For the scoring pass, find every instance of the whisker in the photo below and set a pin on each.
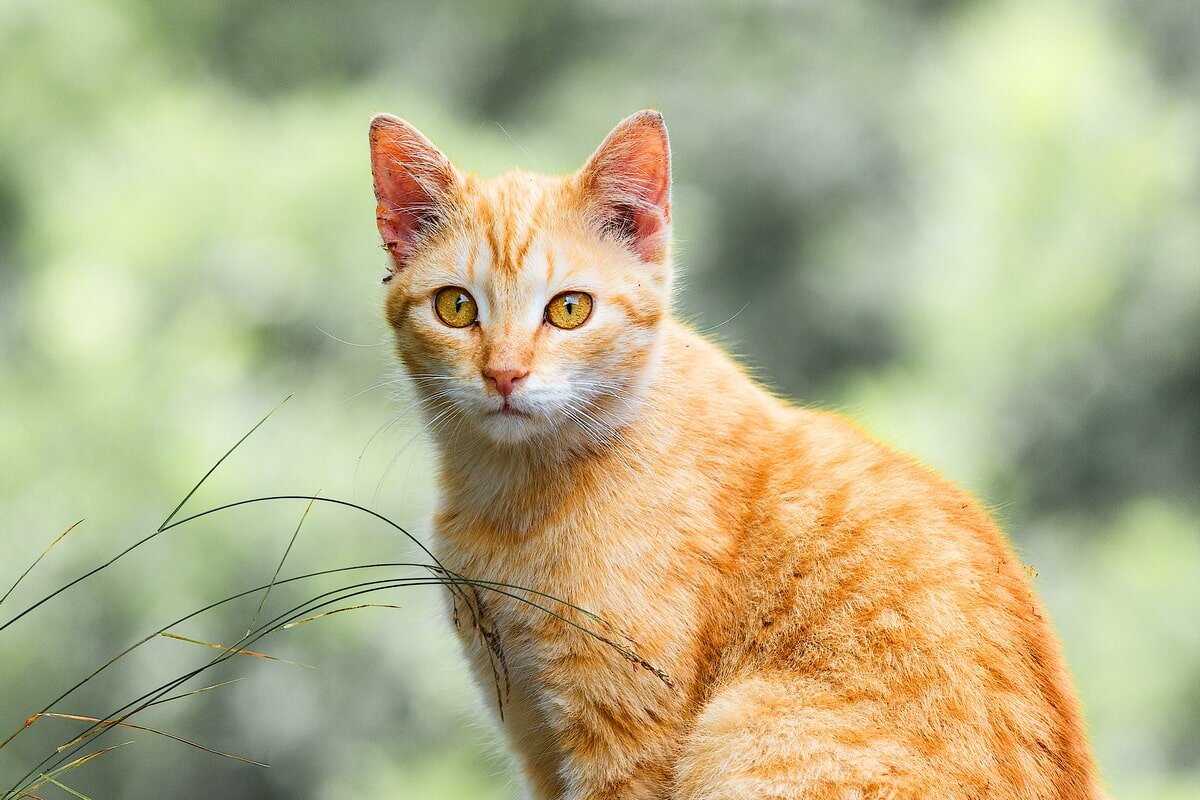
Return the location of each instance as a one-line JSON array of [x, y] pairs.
[[373, 387], [343, 341], [731, 319], [439, 416], [392, 420]]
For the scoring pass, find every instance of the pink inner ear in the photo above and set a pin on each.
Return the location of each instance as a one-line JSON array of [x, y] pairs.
[[398, 227], [630, 177], [412, 181]]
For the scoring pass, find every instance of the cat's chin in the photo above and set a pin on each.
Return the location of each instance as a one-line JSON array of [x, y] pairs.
[[511, 426]]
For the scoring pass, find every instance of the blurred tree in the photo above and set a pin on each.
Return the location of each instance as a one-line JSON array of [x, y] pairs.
[[973, 225]]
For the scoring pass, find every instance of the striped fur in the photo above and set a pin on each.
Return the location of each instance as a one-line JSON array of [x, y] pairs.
[[833, 619]]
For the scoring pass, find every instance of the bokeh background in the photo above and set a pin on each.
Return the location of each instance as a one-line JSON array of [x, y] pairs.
[[974, 226]]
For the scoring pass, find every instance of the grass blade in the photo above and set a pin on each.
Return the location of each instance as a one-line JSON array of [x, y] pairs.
[[321, 601], [48, 777], [156, 694], [324, 614], [201, 690], [110, 662], [220, 460], [343, 594], [308, 611], [102, 724], [165, 526], [279, 567], [67, 789], [45, 553], [235, 650]]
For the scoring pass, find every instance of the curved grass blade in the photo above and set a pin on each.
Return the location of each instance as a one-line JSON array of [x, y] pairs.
[[147, 699], [155, 695], [440, 576], [45, 553], [161, 528], [270, 498], [198, 612], [220, 460], [493, 586], [440, 568], [309, 606]]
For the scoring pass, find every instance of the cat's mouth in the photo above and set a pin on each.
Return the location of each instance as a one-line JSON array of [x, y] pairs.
[[506, 410]]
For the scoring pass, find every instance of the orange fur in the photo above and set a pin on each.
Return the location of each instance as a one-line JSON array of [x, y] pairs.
[[836, 620]]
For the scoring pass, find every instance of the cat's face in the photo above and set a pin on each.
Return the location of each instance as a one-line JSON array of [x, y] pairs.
[[527, 306]]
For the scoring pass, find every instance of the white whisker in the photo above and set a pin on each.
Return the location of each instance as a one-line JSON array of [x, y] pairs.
[[343, 341]]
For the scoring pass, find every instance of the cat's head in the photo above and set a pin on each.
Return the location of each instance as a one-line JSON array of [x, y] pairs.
[[527, 306]]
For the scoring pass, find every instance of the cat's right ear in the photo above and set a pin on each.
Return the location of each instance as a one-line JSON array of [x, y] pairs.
[[414, 182]]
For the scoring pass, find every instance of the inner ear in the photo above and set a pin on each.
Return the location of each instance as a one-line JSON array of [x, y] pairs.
[[628, 184], [414, 185], [621, 222]]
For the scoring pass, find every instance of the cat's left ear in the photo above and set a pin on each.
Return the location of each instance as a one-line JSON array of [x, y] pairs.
[[414, 185], [628, 182]]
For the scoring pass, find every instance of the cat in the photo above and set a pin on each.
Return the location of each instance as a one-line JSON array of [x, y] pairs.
[[823, 617]]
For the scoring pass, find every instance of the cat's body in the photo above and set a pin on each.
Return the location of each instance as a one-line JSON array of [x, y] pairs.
[[833, 619]]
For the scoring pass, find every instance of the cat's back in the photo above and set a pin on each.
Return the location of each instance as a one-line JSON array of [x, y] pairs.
[[836, 525], [875, 590]]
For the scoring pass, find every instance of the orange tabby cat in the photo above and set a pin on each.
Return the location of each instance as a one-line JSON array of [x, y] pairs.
[[834, 619]]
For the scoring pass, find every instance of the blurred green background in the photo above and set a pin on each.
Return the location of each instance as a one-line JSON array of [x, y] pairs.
[[974, 226]]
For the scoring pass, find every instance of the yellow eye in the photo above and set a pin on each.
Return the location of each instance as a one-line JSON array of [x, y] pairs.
[[569, 310], [455, 307]]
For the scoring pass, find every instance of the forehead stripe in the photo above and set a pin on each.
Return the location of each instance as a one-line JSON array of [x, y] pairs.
[[472, 257]]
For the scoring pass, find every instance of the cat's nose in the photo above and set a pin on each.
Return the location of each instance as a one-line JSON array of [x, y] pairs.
[[504, 379]]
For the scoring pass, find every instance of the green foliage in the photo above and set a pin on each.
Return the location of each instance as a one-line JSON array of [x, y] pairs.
[[974, 226]]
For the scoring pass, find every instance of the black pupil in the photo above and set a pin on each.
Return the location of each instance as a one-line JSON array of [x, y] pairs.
[[569, 304], [459, 302]]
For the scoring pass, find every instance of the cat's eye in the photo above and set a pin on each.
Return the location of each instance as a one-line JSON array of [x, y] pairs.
[[455, 306], [569, 310]]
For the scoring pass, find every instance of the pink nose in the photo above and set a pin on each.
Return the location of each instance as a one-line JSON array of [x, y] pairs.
[[504, 379]]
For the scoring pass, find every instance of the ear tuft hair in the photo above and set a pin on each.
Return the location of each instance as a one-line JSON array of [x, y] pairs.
[[628, 182]]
